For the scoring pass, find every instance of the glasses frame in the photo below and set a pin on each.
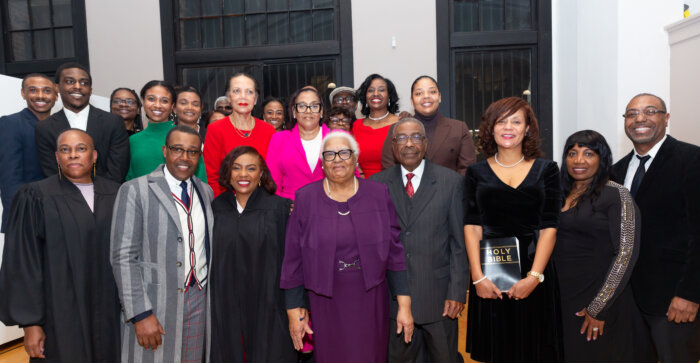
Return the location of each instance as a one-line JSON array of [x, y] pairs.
[[648, 111], [326, 154], [302, 107], [120, 101], [178, 151], [403, 139]]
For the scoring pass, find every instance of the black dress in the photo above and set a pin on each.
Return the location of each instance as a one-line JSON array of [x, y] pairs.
[[527, 330], [249, 319], [597, 247]]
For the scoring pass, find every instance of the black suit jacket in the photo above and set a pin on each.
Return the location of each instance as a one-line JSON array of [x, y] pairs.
[[432, 233], [108, 133], [669, 201]]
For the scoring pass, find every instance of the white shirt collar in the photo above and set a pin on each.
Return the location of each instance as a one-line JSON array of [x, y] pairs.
[[634, 162], [417, 175], [652, 152], [78, 120], [173, 183]]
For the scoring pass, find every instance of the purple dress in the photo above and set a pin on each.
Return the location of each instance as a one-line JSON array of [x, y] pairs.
[[349, 305]]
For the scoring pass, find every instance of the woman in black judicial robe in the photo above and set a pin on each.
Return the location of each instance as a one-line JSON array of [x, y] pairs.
[[56, 279], [249, 319]]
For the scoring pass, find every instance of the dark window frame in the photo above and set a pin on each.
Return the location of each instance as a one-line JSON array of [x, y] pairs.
[[173, 59], [47, 66], [448, 42]]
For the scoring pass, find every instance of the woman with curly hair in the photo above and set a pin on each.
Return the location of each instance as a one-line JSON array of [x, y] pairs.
[[380, 102], [513, 194]]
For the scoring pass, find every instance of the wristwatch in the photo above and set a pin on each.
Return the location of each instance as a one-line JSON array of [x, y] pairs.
[[537, 275]]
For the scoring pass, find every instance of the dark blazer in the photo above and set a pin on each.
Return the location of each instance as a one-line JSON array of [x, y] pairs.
[[432, 232], [669, 201], [451, 146], [108, 133], [309, 251], [19, 163]]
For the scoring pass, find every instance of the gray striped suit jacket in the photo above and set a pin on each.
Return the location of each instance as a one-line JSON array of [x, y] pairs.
[[432, 233], [146, 246]]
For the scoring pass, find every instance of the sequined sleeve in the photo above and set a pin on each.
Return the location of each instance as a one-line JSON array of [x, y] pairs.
[[624, 221]]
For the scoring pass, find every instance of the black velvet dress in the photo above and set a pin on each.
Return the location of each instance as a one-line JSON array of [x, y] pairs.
[[506, 330], [597, 247], [249, 318]]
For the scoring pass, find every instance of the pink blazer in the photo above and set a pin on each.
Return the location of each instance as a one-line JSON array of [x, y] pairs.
[[286, 159]]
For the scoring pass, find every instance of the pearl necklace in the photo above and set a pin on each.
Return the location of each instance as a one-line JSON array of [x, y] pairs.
[[495, 157], [330, 195], [379, 118]]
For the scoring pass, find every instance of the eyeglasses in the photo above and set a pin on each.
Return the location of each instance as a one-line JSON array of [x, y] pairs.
[[343, 99], [403, 139], [227, 108], [178, 151], [339, 121], [314, 107], [344, 154], [127, 101], [649, 111]]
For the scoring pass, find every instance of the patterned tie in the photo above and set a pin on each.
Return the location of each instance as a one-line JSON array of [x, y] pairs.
[[639, 174], [184, 196], [409, 185]]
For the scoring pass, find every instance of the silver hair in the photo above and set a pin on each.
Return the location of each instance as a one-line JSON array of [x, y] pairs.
[[406, 120], [342, 135], [222, 98]]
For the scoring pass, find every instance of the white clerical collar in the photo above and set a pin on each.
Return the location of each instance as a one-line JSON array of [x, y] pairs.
[[654, 150]]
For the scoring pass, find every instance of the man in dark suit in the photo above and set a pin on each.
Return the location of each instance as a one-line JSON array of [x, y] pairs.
[[107, 130], [428, 201], [19, 163], [663, 175]]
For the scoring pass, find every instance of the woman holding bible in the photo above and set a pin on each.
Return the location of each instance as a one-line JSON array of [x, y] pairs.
[[513, 193], [598, 245]]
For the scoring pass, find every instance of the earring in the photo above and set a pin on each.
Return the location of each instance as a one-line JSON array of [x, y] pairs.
[[59, 171], [259, 183], [94, 172]]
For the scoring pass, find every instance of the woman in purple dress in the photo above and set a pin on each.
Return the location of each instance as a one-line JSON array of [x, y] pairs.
[[342, 247]]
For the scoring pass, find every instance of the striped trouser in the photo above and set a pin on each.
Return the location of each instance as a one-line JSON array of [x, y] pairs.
[[194, 325]]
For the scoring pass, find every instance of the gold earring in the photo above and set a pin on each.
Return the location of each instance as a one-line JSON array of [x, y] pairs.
[[59, 171], [94, 172]]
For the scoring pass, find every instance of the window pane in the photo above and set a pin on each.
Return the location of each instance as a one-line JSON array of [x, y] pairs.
[[233, 7], [466, 15], [234, 31], [277, 28], [64, 43], [322, 4], [18, 14], [323, 25], [299, 4], [211, 7], [492, 15], [62, 13], [518, 15], [43, 44], [252, 6], [482, 77], [255, 29], [282, 79], [190, 34], [300, 27], [211, 81], [211, 33], [41, 13], [276, 5], [22, 46], [189, 8]]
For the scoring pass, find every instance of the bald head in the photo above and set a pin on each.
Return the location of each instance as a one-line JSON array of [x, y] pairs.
[[79, 134]]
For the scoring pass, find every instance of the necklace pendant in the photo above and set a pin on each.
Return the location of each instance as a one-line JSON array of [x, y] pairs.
[[343, 213]]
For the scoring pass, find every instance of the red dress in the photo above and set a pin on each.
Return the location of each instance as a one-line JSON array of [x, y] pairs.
[[222, 137], [370, 141]]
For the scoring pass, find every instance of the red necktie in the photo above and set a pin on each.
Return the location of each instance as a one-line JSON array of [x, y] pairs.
[[409, 185]]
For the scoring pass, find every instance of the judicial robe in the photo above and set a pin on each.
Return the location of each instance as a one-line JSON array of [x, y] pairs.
[[56, 272], [247, 302]]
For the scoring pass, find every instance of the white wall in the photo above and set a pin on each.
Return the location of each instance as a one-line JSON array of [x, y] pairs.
[[413, 23], [684, 39], [124, 42], [604, 53]]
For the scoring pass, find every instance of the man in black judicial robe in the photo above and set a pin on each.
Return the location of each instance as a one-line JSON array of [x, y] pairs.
[[55, 272]]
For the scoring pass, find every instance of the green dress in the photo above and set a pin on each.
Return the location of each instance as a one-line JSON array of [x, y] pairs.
[[147, 151]]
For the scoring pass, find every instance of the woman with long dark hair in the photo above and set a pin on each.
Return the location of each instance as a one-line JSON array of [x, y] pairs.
[[597, 247]]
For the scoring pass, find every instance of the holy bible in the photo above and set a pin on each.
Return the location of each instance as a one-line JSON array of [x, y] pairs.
[[500, 261]]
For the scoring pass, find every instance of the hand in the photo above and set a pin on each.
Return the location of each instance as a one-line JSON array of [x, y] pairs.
[[593, 326], [298, 326], [148, 332], [452, 308], [291, 208], [488, 290], [681, 310], [34, 338], [404, 322], [523, 288]]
